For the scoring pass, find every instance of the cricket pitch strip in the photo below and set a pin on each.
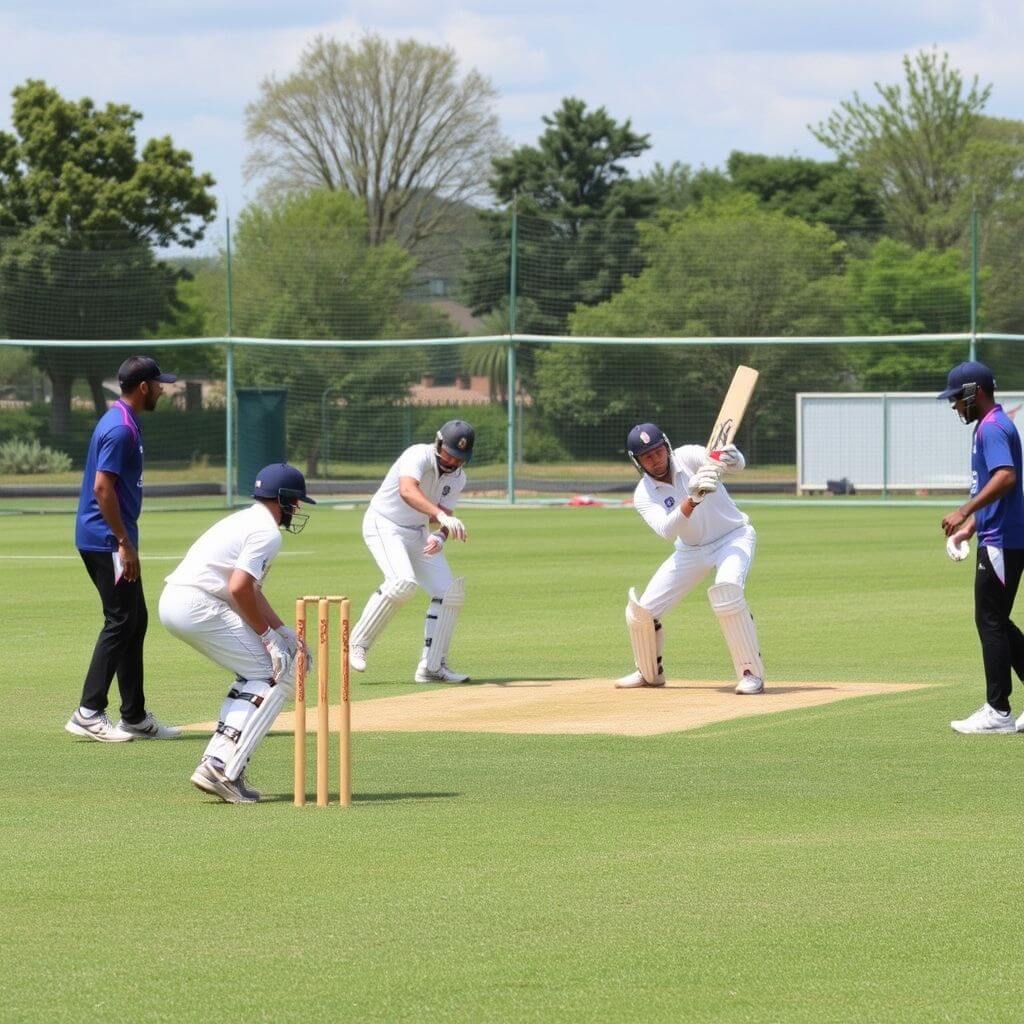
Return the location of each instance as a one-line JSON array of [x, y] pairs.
[[582, 706]]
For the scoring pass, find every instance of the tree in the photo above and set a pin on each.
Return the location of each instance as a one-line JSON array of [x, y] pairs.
[[914, 147], [722, 269], [304, 269], [819, 192], [80, 212], [392, 124], [577, 210]]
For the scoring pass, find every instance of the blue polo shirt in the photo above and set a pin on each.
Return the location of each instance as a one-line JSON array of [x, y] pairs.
[[996, 445], [116, 447]]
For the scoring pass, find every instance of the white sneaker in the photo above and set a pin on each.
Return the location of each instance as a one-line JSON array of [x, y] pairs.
[[443, 675], [357, 658], [149, 729], [986, 719], [636, 679], [1020, 724], [210, 778], [750, 684], [96, 727]]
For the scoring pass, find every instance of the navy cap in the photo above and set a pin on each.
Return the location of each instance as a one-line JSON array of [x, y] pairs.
[[643, 438], [279, 479], [136, 369], [968, 373]]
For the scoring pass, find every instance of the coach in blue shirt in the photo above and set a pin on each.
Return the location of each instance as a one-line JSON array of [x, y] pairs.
[[107, 537], [995, 512]]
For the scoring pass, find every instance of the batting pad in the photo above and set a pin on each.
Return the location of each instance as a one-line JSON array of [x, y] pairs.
[[447, 616], [642, 637], [738, 628], [379, 610]]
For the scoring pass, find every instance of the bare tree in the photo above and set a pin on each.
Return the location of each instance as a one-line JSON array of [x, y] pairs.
[[392, 123]]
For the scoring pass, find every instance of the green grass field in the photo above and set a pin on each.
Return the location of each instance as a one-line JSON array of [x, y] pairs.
[[853, 862]]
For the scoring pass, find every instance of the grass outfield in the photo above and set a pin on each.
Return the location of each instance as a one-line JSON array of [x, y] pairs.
[[849, 862]]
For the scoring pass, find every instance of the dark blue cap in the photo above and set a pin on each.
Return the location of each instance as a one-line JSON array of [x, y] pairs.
[[457, 438], [968, 373], [281, 480], [136, 369], [643, 438]]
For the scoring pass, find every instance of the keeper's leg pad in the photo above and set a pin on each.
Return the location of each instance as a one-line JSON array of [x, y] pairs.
[[643, 638], [447, 615], [730, 606], [251, 708], [382, 605]]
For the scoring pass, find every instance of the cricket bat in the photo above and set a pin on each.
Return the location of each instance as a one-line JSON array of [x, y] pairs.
[[730, 416], [734, 405]]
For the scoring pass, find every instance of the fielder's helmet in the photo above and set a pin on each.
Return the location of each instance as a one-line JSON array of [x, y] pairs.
[[644, 438], [456, 437]]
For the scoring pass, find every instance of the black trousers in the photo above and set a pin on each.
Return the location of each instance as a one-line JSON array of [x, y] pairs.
[[119, 646], [1002, 643]]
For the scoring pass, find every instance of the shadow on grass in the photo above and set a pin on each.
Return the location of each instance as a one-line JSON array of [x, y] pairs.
[[360, 798]]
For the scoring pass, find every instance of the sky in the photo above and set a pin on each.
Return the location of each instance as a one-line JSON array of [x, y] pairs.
[[701, 77]]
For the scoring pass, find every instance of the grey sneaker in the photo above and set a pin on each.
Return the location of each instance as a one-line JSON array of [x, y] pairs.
[[243, 787], [210, 778], [149, 729], [96, 727]]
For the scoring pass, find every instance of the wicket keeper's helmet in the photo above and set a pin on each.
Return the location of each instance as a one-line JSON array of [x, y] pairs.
[[287, 484], [456, 437], [644, 438]]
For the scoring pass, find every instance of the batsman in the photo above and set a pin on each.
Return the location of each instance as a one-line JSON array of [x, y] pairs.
[[681, 498]]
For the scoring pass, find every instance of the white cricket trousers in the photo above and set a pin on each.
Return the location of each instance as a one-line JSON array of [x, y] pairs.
[[398, 552], [215, 629], [730, 556]]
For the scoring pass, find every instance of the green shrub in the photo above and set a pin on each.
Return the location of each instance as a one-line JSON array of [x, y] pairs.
[[24, 457]]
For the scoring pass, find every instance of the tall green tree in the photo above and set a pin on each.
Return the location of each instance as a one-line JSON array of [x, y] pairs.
[[81, 210], [304, 269], [722, 269], [577, 210], [914, 146]]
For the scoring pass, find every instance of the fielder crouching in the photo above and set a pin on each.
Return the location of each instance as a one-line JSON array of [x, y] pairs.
[[681, 499], [421, 487], [214, 602]]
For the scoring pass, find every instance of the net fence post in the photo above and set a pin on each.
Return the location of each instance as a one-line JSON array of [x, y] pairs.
[[511, 387], [974, 284], [229, 380]]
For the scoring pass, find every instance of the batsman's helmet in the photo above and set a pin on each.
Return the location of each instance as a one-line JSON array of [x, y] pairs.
[[456, 437], [287, 484], [644, 438]]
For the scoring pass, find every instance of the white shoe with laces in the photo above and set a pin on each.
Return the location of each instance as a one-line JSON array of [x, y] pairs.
[[96, 727], [636, 679], [986, 720], [750, 684], [149, 729], [443, 675]]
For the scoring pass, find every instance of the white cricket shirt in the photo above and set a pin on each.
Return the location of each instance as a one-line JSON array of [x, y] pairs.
[[246, 540], [711, 520], [420, 462]]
